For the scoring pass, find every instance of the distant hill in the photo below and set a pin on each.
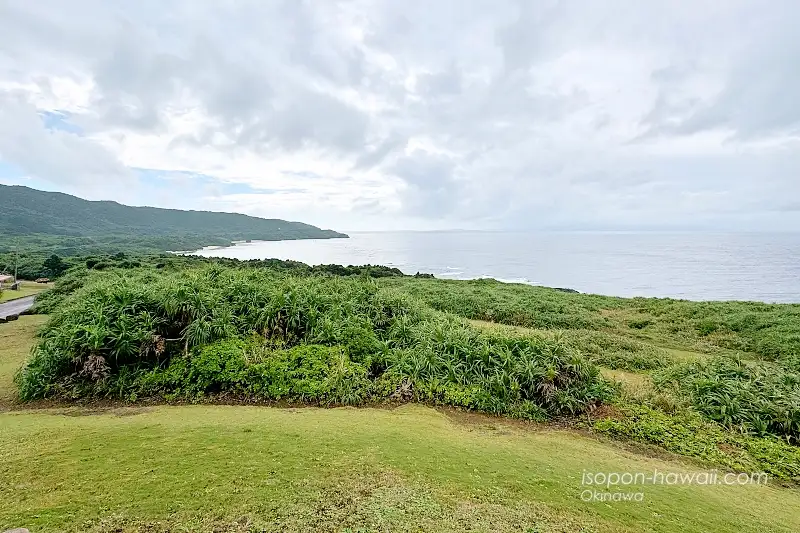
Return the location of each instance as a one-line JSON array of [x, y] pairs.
[[45, 215]]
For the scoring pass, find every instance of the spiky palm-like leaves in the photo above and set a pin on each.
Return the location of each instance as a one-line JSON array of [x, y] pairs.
[[755, 397], [121, 327]]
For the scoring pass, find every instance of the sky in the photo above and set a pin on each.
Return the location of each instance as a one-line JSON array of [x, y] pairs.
[[387, 115]]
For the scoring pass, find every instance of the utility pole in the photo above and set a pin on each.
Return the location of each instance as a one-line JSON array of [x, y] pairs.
[[16, 257]]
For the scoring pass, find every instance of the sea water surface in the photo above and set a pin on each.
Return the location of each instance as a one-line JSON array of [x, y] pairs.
[[696, 266]]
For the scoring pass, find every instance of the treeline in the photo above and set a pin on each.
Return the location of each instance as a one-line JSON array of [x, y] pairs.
[[70, 245], [35, 265]]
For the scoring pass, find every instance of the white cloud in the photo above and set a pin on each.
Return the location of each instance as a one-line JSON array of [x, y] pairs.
[[67, 158], [374, 114]]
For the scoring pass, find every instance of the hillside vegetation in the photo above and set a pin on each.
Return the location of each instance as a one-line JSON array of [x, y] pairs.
[[68, 225], [238, 469], [718, 382], [743, 369], [770, 332], [243, 469], [258, 335], [698, 385]]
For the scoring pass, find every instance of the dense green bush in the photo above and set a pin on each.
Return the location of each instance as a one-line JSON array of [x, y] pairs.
[[687, 433], [754, 397], [191, 332], [256, 370]]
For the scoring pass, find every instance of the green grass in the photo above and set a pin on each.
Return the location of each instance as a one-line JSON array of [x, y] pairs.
[[768, 331], [240, 468], [16, 340], [631, 380], [610, 346], [196, 468], [261, 335], [220, 332], [681, 356], [605, 348], [27, 288]]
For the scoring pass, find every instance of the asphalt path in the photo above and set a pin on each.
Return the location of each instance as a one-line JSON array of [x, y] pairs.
[[15, 307]]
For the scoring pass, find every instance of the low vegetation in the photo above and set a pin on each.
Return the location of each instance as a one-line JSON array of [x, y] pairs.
[[767, 331], [237, 469], [260, 335], [751, 397], [714, 384], [689, 434], [187, 328]]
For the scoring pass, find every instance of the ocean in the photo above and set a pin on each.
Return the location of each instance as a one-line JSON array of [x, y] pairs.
[[695, 266]]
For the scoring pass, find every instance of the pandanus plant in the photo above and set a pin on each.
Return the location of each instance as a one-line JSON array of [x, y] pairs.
[[132, 321]]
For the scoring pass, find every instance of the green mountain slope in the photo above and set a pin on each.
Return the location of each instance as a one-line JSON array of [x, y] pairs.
[[38, 214]]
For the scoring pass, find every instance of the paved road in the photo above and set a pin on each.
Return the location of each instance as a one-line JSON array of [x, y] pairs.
[[15, 307]]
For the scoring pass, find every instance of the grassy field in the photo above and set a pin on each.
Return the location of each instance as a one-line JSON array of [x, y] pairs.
[[586, 383], [236, 468], [750, 329], [240, 468], [27, 288], [16, 340], [651, 414]]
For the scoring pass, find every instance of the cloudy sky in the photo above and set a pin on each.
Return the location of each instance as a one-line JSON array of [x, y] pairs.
[[410, 115]]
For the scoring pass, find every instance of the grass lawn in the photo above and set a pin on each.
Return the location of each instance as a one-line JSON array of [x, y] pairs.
[[247, 468], [16, 340], [196, 468], [27, 288]]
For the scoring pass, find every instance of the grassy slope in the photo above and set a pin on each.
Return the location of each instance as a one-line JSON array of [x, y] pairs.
[[16, 340], [27, 288], [195, 468], [648, 347], [675, 328]]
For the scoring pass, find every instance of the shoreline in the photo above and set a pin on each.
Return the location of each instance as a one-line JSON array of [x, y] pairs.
[[447, 274]]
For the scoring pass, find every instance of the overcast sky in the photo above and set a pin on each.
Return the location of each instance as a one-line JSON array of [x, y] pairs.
[[415, 114]]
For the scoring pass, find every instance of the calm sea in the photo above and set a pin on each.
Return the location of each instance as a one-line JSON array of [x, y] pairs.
[[754, 266]]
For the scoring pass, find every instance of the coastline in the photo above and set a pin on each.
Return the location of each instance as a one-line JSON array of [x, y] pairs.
[[696, 267]]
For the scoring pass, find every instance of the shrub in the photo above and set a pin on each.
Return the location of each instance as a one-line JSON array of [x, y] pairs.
[[759, 398], [253, 369], [706, 327], [262, 335], [639, 323], [687, 433]]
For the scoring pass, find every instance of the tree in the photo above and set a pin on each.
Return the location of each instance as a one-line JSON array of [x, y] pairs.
[[54, 266]]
